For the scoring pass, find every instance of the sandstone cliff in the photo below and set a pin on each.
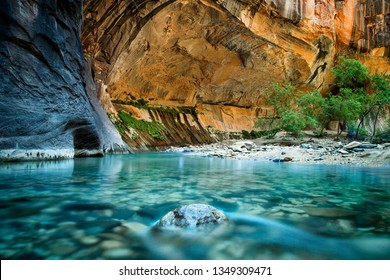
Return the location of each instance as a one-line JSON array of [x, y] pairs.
[[44, 106], [178, 70], [219, 57]]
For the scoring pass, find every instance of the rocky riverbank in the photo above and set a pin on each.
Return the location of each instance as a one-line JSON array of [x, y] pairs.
[[307, 150]]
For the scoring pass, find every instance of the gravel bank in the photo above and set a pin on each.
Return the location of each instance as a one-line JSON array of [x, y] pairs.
[[308, 150]]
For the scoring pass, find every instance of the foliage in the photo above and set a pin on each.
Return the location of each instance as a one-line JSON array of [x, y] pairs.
[[381, 99], [292, 122], [283, 99], [316, 111], [350, 73], [154, 129], [346, 107], [293, 111], [357, 95]]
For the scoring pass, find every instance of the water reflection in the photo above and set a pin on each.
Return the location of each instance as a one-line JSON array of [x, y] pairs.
[[95, 208]]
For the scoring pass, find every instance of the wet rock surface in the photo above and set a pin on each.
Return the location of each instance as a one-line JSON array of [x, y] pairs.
[[193, 216]]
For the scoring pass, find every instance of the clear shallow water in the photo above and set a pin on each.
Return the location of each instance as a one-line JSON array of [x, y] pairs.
[[104, 208]]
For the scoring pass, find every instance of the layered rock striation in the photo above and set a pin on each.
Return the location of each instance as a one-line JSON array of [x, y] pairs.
[[48, 106], [221, 56], [149, 59]]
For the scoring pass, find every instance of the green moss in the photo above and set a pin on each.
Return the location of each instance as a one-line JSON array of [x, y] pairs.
[[154, 128]]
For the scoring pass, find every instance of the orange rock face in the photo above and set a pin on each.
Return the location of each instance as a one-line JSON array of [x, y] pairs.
[[221, 56]]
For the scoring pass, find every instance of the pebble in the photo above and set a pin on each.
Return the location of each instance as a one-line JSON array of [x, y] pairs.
[[63, 248], [352, 145], [89, 240], [67, 224], [305, 146], [118, 253], [335, 200], [343, 152], [134, 226], [330, 212], [111, 244], [368, 146], [294, 210]]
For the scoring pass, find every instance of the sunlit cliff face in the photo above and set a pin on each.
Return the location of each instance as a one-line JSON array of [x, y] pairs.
[[220, 57], [217, 57]]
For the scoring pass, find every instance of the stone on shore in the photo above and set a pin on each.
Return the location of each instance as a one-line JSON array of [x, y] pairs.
[[352, 145]]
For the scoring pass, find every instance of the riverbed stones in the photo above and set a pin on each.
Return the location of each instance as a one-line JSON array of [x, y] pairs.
[[343, 152], [352, 145], [293, 210], [329, 212], [368, 146], [193, 216]]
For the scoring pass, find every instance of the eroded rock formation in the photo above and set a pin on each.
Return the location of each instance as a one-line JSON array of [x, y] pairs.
[[221, 56], [44, 106], [214, 58]]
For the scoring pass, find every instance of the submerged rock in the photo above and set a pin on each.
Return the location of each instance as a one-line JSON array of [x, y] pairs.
[[192, 216], [329, 212]]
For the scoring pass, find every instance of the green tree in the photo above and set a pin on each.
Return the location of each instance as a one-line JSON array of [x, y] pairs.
[[316, 111], [351, 102], [357, 95], [381, 98], [294, 111], [350, 73], [283, 99]]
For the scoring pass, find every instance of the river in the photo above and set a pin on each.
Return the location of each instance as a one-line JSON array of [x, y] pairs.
[[105, 208]]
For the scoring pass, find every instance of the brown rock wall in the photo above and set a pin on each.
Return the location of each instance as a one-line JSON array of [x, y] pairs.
[[222, 55]]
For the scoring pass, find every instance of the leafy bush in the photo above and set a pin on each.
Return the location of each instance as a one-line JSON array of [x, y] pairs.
[[293, 122], [292, 110]]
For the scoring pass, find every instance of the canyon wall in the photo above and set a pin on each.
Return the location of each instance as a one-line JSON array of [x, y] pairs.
[[221, 56], [46, 111], [166, 72]]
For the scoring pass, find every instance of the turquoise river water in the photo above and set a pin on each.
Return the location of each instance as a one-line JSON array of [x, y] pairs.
[[105, 208]]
